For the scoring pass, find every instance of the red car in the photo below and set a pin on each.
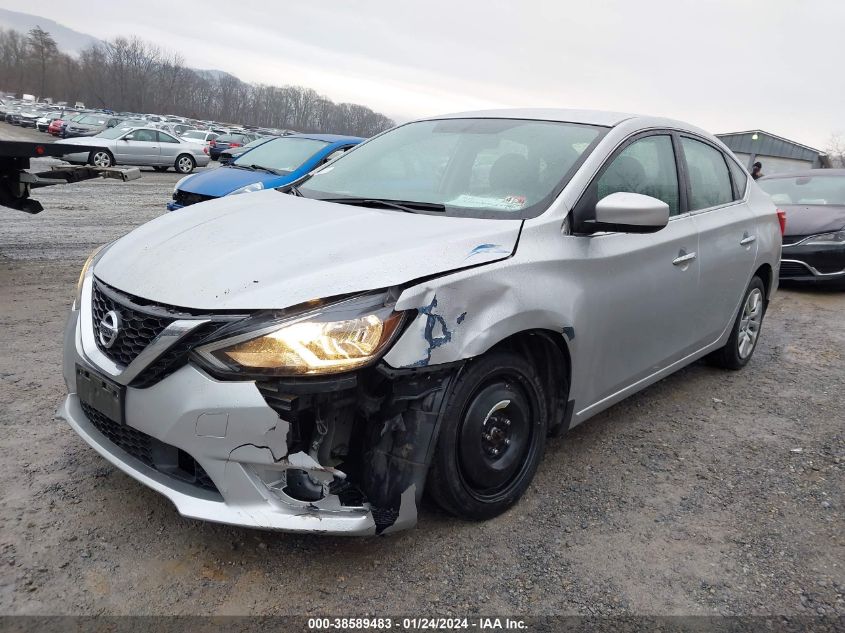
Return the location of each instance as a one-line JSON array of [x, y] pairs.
[[55, 127]]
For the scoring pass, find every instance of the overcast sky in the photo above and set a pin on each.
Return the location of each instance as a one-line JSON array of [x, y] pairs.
[[725, 65]]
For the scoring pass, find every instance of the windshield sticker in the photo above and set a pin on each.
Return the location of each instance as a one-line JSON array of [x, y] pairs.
[[505, 203]]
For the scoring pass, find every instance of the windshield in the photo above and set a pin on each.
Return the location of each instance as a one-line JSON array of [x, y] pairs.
[[281, 154], [497, 168], [93, 120], [823, 190]]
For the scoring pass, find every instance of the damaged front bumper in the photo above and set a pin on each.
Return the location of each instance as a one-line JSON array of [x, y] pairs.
[[333, 457]]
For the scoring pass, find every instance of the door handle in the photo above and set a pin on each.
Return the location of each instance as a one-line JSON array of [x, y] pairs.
[[686, 258], [747, 239]]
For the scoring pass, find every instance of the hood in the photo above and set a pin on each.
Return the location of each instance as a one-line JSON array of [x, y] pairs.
[[224, 180], [270, 250], [809, 219]]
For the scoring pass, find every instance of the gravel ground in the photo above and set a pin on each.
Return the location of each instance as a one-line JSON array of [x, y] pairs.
[[711, 492]]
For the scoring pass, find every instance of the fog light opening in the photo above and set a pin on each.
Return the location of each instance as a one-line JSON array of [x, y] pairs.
[[301, 486]]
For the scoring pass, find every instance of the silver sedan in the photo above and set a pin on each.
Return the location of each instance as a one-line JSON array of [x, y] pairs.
[[140, 146]]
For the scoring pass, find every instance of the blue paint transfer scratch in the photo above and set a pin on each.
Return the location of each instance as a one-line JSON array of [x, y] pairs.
[[433, 321], [461, 318], [488, 248]]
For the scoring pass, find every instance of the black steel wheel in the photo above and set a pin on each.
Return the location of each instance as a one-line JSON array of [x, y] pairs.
[[492, 437]]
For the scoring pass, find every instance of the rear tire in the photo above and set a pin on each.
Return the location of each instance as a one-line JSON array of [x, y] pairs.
[[746, 329], [492, 437], [101, 158], [185, 164]]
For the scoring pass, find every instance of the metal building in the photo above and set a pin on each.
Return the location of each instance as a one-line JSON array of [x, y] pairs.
[[776, 153]]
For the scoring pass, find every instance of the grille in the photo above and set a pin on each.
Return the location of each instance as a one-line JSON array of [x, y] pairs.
[[791, 269], [137, 444], [173, 358], [186, 198], [154, 453], [137, 329], [141, 322]]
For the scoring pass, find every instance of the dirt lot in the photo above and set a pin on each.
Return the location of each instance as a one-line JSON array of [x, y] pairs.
[[708, 493]]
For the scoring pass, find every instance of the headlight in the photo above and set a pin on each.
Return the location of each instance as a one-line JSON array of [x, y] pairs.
[[91, 259], [826, 239], [338, 338], [256, 186]]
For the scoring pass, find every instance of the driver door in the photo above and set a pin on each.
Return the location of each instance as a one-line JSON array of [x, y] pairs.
[[139, 147], [640, 290]]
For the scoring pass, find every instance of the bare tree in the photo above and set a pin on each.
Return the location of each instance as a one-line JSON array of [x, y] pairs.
[[130, 75], [836, 150], [43, 48]]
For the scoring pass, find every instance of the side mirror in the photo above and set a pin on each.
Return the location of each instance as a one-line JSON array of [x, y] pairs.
[[630, 213]]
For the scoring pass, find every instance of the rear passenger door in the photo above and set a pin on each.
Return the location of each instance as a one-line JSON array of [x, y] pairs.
[[726, 228]]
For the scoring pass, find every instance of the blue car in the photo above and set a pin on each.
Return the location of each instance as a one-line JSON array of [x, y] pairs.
[[272, 164]]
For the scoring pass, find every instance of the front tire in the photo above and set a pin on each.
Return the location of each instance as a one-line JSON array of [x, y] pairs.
[[492, 437], [746, 329], [185, 164], [101, 158]]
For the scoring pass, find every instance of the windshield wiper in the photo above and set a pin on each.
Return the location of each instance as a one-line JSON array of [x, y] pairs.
[[408, 206], [267, 169]]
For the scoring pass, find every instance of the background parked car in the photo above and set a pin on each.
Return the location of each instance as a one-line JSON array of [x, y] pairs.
[[200, 136], [28, 118], [272, 164], [814, 240], [225, 141], [90, 125], [141, 146]]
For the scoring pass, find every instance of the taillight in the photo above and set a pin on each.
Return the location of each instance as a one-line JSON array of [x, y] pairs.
[[782, 221], [234, 144], [205, 149]]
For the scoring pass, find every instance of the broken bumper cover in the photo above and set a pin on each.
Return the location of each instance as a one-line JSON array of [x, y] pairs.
[[233, 435], [241, 501]]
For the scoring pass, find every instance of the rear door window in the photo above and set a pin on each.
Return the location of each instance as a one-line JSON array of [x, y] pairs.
[[709, 181]]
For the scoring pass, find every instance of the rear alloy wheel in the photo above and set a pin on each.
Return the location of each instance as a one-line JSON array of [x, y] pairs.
[[101, 158], [185, 164], [492, 437], [746, 329]]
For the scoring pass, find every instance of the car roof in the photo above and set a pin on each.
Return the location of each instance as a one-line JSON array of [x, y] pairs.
[[328, 138], [805, 173], [587, 117]]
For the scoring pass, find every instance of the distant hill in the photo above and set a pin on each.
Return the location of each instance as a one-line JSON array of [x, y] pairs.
[[68, 40]]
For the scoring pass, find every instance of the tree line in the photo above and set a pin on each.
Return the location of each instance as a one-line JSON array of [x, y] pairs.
[[131, 75]]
